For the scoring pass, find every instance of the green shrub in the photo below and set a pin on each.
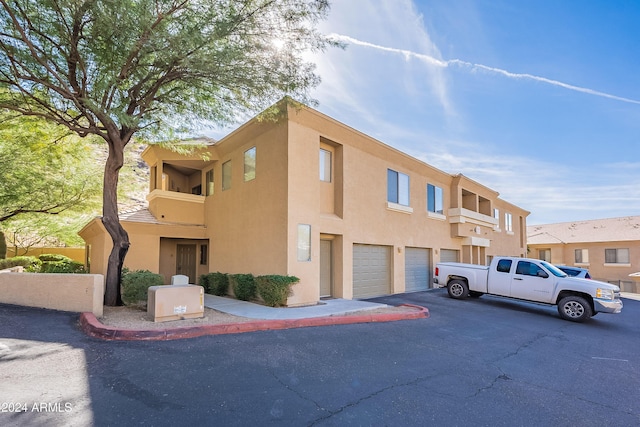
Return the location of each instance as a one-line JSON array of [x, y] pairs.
[[205, 282], [30, 263], [219, 284], [215, 283], [274, 290], [53, 263], [135, 285], [244, 286], [53, 257]]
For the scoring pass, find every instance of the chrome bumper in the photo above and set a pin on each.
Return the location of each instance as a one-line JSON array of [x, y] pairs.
[[605, 306]]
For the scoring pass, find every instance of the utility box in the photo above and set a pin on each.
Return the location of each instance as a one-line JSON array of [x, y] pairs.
[[175, 302]]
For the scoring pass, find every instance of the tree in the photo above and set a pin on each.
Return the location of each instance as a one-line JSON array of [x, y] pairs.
[[43, 169], [151, 67]]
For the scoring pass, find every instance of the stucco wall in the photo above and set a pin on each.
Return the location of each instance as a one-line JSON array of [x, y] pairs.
[[67, 292], [76, 254], [598, 269]]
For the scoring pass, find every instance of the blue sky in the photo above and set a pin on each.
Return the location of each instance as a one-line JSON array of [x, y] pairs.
[[536, 99]]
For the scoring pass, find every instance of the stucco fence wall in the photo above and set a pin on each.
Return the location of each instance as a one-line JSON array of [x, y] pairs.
[[76, 254], [57, 291]]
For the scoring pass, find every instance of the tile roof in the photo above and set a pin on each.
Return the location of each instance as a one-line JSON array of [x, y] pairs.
[[599, 230], [145, 216]]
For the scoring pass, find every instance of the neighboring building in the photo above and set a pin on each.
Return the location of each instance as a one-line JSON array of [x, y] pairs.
[[310, 197], [609, 248]]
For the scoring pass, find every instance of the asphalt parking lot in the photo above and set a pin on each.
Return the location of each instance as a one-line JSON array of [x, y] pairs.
[[487, 362]]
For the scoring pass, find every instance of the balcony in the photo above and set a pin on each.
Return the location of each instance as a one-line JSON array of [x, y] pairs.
[[174, 207], [467, 223]]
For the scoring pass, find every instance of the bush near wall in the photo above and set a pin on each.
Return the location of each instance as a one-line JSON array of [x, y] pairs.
[[54, 263], [45, 263], [244, 286], [135, 286], [31, 264], [215, 283], [274, 289]]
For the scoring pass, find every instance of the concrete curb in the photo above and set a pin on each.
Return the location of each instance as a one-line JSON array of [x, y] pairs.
[[91, 326]]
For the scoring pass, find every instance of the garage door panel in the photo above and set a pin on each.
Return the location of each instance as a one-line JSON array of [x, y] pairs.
[[371, 270], [417, 269]]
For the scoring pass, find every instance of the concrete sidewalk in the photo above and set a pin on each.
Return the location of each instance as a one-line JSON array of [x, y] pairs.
[[328, 307], [325, 313]]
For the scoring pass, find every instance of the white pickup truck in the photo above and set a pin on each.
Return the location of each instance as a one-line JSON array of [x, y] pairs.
[[530, 280]]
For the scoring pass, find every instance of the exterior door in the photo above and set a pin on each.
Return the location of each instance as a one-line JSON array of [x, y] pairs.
[[186, 261], [371, 270], [449, 255], [416, 269], [326, 268]]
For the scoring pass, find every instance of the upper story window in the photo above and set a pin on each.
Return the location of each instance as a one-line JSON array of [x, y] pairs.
[[435, 200], [616, 256], [508, 222], [496, 215], [397, 187], [581, 256], [250, 164], [209, 183], [325, 165], [226, 175]]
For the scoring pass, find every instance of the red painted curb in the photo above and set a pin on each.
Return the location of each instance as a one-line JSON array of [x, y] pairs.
[[94, 328]]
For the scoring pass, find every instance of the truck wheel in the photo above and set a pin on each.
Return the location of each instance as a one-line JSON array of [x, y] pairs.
[[574, 308], [458, 289]]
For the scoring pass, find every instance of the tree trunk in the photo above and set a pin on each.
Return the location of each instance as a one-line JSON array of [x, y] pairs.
[[3, 246], [111, 222]]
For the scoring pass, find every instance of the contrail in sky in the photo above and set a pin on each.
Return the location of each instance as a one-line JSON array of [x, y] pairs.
[[446, 63]]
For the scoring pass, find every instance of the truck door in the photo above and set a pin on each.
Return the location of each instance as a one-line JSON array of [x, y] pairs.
[[499, 279], [531, 282]]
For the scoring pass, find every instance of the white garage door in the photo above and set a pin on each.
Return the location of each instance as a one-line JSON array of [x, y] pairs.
[[449, 255], [416, 269], [371, 271]]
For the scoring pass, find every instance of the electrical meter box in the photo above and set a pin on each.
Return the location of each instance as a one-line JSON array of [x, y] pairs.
[[175, 302]]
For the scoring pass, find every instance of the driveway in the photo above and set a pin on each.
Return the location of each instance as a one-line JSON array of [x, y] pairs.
[[474, 362]]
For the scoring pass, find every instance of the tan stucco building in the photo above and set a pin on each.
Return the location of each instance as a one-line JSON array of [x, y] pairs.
[[310, 197], [609, 248]]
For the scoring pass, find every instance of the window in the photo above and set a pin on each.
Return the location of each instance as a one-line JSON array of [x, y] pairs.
[[325, 165], [504, 266], [250, 164], [204, 251], [582, 256], [544, 254], [209, 182], [508, 222], [304, 242], [616, 256], [434, 199], [226, 175], [496, 215], [530, 269], [397, 187]]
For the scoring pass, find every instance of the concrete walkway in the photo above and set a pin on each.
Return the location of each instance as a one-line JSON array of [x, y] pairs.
[[329, 307], [325, 313]]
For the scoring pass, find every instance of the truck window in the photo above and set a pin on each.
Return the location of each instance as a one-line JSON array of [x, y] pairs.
[[530, 269], [504, 266]]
